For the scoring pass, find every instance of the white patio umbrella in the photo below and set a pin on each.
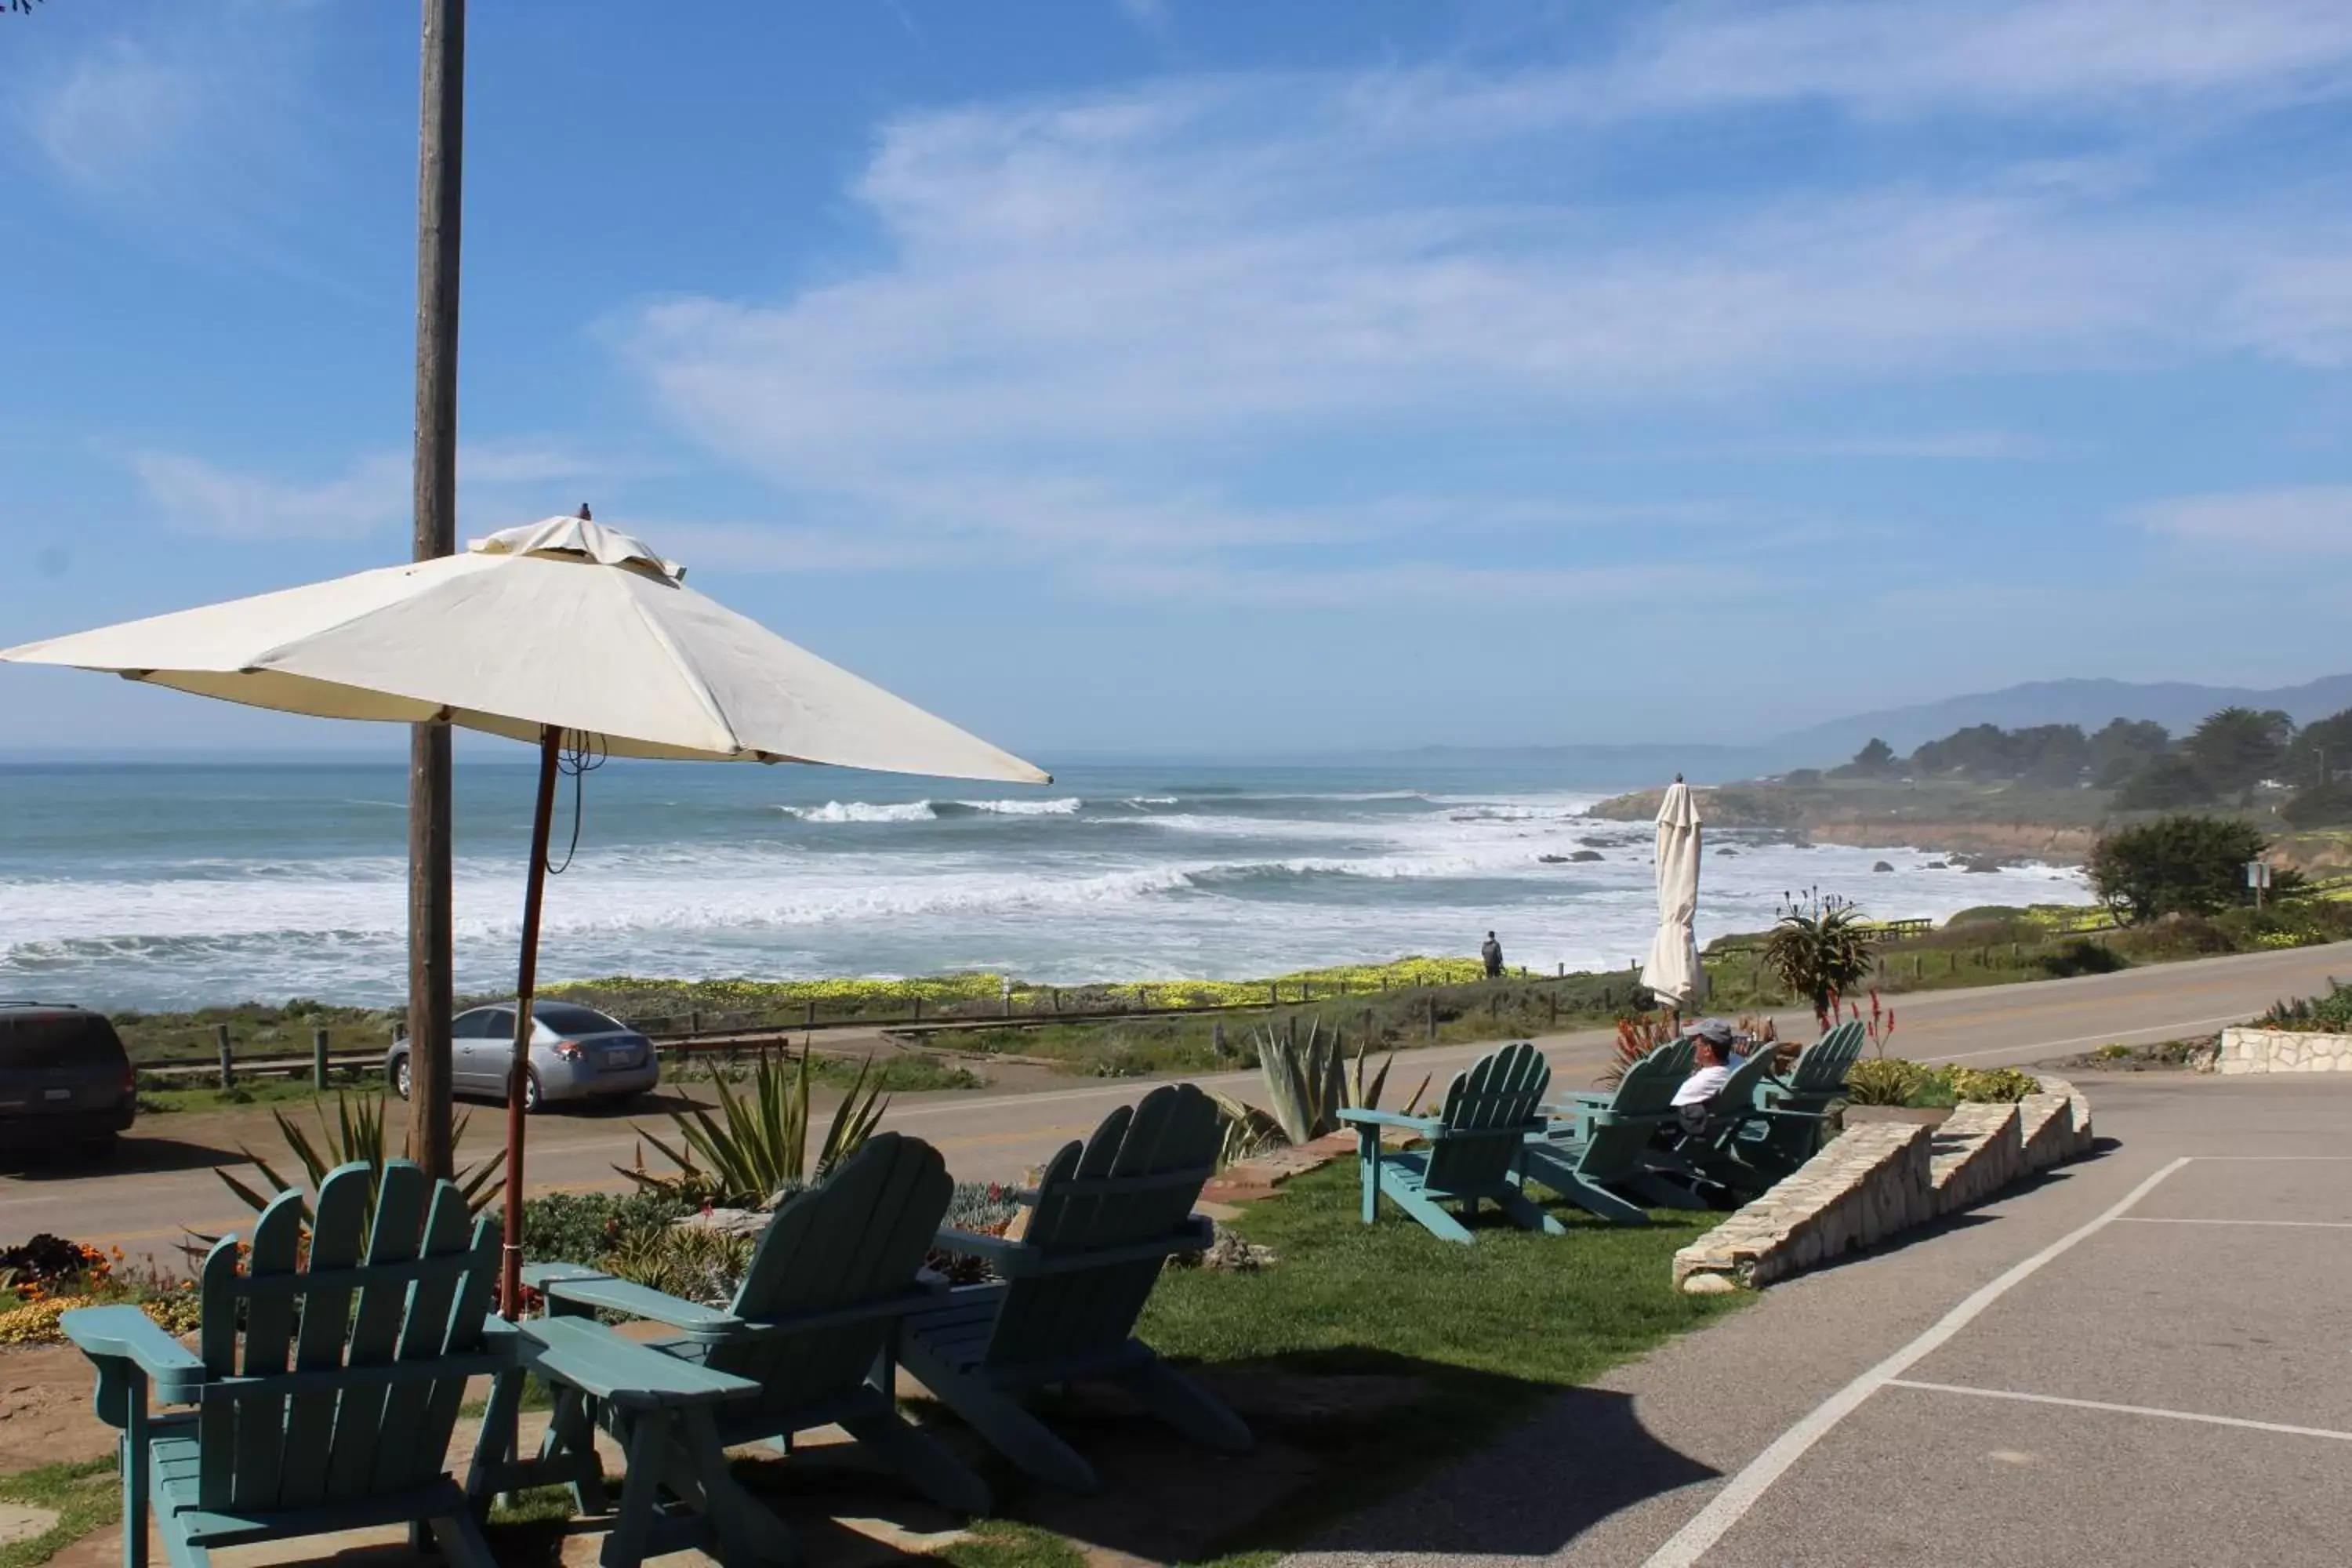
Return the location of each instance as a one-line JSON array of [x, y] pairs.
[[1673, 970], [561, 627]]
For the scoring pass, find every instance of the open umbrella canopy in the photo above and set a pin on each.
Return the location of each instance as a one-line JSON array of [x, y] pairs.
[[563, 623], [1673, 970], [560, 628]]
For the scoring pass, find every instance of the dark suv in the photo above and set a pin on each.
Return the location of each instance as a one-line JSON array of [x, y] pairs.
[[64, 1078]]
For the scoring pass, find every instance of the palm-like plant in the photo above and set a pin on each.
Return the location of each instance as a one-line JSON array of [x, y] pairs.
[[1819, 949], [1309, 1083], [355, 1134], [756, 1149]]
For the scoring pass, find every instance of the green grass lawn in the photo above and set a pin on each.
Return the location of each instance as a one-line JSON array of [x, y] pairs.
[[1488, 1332], [86, 1496]]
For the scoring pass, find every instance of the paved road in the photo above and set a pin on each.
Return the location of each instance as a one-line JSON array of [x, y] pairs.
[[2138, 1360], [164, 1182]]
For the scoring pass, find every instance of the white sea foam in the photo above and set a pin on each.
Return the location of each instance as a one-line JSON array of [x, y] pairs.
[[1065, 806], [863, 811], [1207, 882]]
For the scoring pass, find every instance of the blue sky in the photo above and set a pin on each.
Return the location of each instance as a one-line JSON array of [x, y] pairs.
[[1161, 376]]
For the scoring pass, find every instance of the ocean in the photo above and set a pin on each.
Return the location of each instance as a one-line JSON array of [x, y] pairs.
[[170, 885]]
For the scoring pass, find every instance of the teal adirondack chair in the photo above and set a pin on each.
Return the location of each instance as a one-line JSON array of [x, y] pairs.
[[1792, 1112], [1594, 1159], [1104, 1219], [383, 1324], [804, 1343], [1713, 1155], [1471, 1147]]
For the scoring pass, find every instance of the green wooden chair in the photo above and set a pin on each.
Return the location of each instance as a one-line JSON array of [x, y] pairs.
[[334, 1409], [1792, 1113], [1598, 1154], [1104, 1218], [804, 1343], [1470, 1148], [1713, 1156]]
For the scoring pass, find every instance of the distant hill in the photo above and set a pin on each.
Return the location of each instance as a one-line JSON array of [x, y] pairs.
[[2175, 705]]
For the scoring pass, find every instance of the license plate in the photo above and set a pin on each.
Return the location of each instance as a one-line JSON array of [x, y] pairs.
[[621, 1058], [56, 1094]]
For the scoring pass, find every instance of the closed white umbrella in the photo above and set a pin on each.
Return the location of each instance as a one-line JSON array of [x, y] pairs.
[[561, 627], [1673, 970]]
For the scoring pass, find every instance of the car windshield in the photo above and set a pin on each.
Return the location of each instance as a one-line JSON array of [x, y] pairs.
[[568, 1018]]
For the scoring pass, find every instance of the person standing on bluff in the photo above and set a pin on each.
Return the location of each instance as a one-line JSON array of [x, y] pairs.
[[1490, 953]]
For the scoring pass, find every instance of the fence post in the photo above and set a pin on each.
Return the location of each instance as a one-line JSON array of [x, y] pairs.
[[1555, 1009], [918, 1006], [1369, 1041], [693, 1022], [1303, 993], [1217, 1038], [1432, 1017], [227, 1063], [1055, 992], [1273, 992], [319, 1058], [1563, 969], [808, 1017]]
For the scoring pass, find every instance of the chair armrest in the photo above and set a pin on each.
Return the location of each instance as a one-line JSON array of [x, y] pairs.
[[1363, 1118], [1019, 1260], [575, 1286], [592, 1357], [972, 1244], [126, 1333]]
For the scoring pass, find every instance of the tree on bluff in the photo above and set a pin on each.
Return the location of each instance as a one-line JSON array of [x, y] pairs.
[[2180, 865], [2238, 748]]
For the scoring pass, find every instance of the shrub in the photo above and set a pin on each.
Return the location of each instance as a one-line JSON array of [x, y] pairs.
[[2081, 955], [1884, 1080], [2319, 805], [582, 1228], [2330, 1013], [2185, 864], [693, 1262], [1995, 1085]]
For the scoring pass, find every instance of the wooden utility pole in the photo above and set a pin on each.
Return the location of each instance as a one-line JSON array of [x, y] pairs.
[[440, 161]]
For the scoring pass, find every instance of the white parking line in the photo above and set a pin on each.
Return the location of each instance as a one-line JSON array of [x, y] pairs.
[[1727, 1507], [2123, 1409], [2289, 1223]]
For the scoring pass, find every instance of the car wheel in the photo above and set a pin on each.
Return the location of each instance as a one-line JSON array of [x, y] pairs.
[[531, 1097], [401, 1081]]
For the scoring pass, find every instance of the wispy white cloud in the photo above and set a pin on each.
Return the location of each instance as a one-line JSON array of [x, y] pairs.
[[500, 483], [2275, 524], [1100, 314], [199, 496]]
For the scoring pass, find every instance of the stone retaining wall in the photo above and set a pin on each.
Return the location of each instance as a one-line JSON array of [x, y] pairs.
[[2244, 1050], [1882, 1177], [1980, 1151]]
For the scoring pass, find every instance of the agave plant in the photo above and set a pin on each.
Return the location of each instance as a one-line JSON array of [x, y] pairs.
[[355, 1135], [1308, 1084], [1819, 950], [756, 1149]]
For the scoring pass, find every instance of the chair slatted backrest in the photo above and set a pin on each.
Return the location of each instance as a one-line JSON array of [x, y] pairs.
[[1135, 1181], [1486, 1114], [1822, 1068], [859, 1239], [409, 1283], [1647, 1089]]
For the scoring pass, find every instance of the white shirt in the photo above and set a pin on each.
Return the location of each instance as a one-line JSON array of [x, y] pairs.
[[1701, 1086]]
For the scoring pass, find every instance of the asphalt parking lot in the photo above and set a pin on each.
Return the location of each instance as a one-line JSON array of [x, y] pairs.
[[2145, 1359]]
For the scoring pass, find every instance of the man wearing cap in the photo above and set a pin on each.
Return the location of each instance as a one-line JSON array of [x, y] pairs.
[[1711, 1040]]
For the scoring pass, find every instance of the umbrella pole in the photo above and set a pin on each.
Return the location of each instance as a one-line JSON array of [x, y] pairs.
[[551, 747]]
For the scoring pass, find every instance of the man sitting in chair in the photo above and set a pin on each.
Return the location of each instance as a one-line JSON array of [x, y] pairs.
[[1711, 1040]]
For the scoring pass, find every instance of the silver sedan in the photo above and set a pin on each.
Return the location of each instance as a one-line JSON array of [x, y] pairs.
[[576, 1053]]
